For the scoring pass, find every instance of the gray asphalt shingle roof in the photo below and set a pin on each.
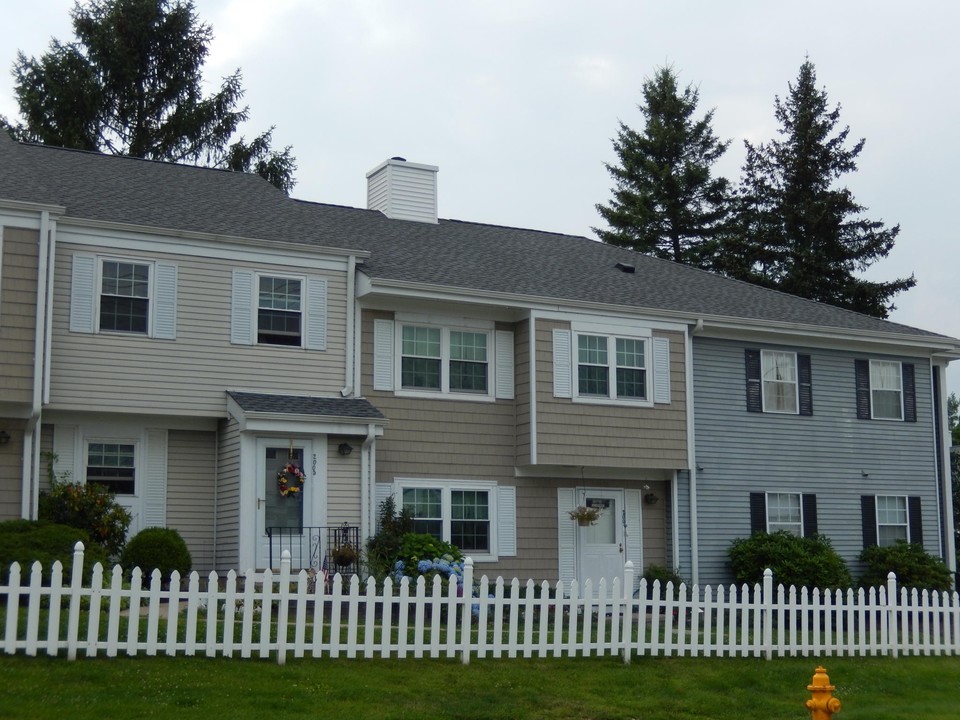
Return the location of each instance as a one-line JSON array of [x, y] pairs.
[[453, 254], [299, 405]]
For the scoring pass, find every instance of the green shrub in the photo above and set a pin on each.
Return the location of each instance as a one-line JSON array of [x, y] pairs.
[[800, 561], [664, 575], [88, 507], [913, 567], [157, 548], [27, 541], [383, 549], [423, 546]]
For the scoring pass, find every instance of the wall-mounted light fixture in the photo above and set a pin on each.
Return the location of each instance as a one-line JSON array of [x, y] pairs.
[[650, 499], [4, 437], [864, 474], [345, 449], [699, 467]]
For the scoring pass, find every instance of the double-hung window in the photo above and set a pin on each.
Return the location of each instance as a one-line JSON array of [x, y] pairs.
[[886, 390], [893, 522], [279, 311], [124, 296], [113, 466], [611, 367], [458, 513], [784, 512], [779, 373]]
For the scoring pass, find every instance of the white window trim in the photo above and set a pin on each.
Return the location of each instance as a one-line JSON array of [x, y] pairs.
[[799, 497], [873, 404], [796, 382], [905, 525], [446, 327], [446, 486], [611, 334], [257, 275], [151, 295]]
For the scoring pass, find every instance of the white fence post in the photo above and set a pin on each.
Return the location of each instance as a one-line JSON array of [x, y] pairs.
[[767, 613], [466, 627], [76, 587], [627, 639], [892, 625], [283, 609]]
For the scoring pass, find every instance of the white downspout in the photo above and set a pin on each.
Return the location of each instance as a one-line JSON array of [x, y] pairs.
[[692, 457], [30, 480], [368, 476], [348, 355], [532, 349], [949, 553]]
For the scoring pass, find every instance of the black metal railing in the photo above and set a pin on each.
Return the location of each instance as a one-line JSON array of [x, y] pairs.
[[334, 548]]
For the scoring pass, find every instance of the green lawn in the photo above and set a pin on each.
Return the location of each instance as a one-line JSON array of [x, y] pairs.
[[650, 688]]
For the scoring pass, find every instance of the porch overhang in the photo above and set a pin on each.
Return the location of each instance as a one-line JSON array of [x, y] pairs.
[[262, 412]]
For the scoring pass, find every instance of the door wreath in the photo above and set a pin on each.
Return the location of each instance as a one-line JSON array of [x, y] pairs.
[[290, 479]]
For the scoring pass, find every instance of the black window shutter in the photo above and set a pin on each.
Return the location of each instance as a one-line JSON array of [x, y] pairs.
[[805, 385], [758, 512], [809, 514], [909, 394], [862, 373], [754, 391], [868, 514], [916, 521]]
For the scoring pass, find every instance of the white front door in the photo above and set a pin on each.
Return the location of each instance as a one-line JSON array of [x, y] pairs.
[[600, 546], [285, 510]]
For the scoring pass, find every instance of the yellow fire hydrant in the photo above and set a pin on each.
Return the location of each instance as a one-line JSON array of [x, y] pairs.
[[822, 705]]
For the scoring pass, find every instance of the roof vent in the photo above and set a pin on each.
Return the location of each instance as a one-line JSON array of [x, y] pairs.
[[625, 267], [403, 190]]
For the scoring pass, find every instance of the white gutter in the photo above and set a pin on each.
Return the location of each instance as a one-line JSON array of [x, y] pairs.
[[532, 347], [368, 477], [348, 354], [692, 457], [30, 479]]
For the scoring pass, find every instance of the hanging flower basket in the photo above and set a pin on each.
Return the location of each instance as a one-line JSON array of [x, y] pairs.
[[345, 555], [585, 515], [290, 480]]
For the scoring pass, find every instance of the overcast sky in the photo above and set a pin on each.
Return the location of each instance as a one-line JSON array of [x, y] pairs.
[[517, 101]]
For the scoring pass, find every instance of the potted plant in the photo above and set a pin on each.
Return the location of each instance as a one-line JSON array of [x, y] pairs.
[[345, 555], [585, 515]]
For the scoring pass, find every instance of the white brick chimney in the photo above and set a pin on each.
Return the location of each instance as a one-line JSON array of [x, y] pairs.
[[403, 190]]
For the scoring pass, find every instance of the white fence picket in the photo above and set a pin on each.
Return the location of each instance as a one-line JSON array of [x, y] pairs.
[[321, 617]]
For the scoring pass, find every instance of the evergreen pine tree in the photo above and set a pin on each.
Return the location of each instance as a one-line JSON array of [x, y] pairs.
[[665, 201], [130, 84], [795, 230]]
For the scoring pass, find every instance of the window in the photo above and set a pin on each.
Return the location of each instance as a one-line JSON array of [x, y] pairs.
[[441, 359], [115, 295], [124, 296], [886, 390], [892, 520], [112, 465], [458, 512], [779, 382], [279, 311], [784, 513], [889, 518], [611, 367], [779, 372]]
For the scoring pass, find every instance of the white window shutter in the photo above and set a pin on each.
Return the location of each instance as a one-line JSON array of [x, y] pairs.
[[83, 293], [65, 444], [381, 492], [634, 534], [506, 520], [383, 347], [241, 308], [562, 364], [566, 535], [153, 479], [316, 316], [661, 370], [504, 367], [165, 302]]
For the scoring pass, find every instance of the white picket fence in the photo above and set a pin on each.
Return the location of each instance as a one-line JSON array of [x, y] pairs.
[[284, 614]]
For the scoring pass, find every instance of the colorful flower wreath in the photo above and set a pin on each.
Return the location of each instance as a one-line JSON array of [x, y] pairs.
[[290, 485]]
